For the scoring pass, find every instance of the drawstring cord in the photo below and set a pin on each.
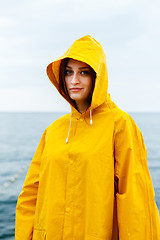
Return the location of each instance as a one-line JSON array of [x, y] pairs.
[[91, 122], [69, 127]]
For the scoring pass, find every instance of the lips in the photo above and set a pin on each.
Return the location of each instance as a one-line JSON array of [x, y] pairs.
[[75, 89]]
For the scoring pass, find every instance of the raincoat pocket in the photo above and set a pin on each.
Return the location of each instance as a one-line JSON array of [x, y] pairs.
[[39, 234], [122, 213]]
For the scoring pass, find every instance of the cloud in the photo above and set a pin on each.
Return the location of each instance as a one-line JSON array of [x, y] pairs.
[[32, 99], [36, 32], [6, 22], [136, 97]]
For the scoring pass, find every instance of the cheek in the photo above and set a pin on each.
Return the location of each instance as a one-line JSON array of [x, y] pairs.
[[90, 85]]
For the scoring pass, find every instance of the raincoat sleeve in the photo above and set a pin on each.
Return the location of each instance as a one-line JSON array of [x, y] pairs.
[[137, 213], [25, 209]]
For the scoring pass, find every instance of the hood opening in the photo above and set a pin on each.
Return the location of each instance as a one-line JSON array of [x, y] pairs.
[[62, 82]]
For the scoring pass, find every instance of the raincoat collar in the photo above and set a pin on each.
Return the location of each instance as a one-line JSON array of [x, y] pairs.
[[78, 115]]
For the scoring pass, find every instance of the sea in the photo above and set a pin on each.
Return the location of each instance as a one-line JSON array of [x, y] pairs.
[[20, 134]]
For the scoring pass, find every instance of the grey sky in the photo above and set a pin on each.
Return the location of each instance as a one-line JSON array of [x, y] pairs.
[[34, 33]]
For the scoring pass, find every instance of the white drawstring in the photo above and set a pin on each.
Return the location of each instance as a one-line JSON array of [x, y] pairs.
[[69, 127], [91, 122]]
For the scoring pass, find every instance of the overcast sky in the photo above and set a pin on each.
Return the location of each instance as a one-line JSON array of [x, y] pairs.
[[33, 33]]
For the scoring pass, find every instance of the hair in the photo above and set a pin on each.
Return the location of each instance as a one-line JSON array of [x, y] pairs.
[[62, 82]]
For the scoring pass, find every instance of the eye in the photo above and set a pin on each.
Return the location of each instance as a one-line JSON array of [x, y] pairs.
[[67, 72], [85, 73]]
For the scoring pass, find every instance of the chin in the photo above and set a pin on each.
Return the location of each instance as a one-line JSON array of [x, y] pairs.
[[76, 98]]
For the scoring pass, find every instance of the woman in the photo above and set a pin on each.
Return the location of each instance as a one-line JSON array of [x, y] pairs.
[[89, 178]]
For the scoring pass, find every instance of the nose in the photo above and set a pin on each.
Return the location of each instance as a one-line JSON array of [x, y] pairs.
[[74, 79]]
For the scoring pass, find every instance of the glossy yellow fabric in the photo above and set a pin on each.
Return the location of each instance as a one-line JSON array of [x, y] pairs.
[[97, 186]]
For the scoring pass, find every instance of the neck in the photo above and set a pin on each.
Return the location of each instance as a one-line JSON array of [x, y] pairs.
[[82, 106]]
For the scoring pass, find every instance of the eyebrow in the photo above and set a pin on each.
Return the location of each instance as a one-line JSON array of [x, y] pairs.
[[79, 67]]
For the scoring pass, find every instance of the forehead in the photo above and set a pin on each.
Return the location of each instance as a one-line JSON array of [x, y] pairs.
[[75, 63]]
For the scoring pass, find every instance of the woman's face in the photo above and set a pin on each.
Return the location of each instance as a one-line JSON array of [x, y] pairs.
[[79, 81]]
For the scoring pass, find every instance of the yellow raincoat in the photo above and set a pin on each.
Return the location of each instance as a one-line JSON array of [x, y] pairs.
[[96, 185]]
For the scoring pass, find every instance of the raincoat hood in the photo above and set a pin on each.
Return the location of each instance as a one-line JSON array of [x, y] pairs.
[[88, 50]]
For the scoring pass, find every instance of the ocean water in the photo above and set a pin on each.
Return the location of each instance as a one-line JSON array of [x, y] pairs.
[[19, 137]]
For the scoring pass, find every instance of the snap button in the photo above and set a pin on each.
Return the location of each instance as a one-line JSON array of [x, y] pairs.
[[67, 209]]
